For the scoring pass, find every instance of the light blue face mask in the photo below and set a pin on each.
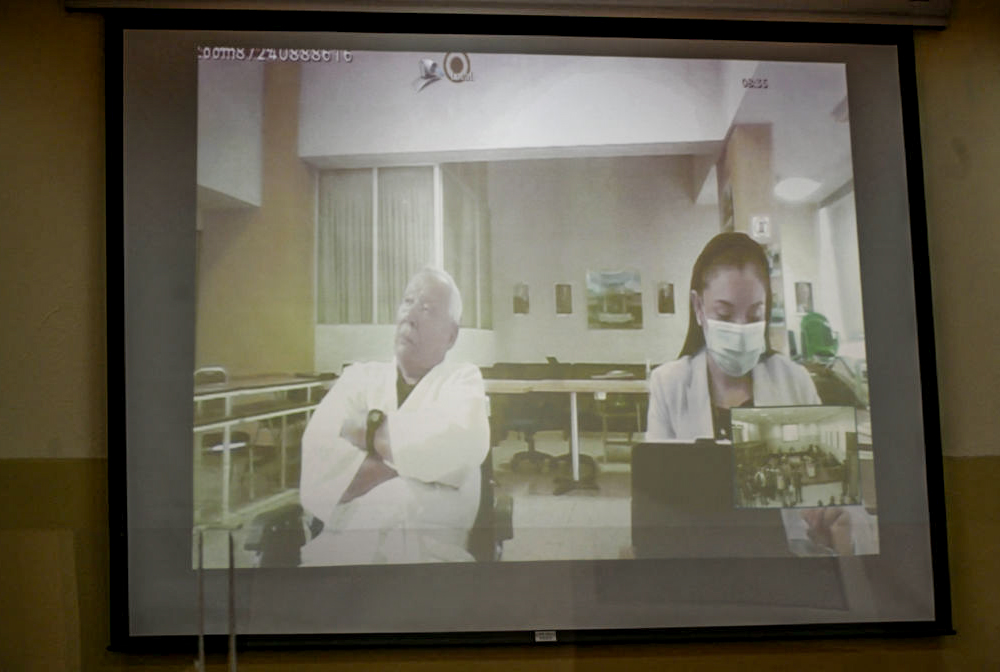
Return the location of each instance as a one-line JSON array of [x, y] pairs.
[[736, 348]]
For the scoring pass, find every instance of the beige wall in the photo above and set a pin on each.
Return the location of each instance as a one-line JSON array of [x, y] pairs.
[[958, 81], [230, 137], [52, 304], [631, 209], [255, 273], [53, 525]]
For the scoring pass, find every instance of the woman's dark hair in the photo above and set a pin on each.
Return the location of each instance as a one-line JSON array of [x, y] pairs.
[[734, 250]]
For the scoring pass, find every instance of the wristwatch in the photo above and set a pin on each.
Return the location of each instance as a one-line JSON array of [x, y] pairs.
[[375, 420]]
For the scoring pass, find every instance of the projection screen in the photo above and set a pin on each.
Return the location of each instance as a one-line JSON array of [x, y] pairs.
[[281, 188]]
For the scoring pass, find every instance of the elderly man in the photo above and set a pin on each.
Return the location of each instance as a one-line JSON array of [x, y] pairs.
[[391, 458]]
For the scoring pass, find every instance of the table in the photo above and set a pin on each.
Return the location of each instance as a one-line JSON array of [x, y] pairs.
[[260, 411], [595, 386]]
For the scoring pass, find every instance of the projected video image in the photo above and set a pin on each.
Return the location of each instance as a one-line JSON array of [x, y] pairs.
[[799, 456], [373, 385]]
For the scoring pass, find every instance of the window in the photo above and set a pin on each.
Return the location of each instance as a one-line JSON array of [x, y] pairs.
[[789, 432], [378, 226], [466, 240]]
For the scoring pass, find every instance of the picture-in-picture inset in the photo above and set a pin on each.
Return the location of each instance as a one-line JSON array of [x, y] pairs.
[[796, 456]]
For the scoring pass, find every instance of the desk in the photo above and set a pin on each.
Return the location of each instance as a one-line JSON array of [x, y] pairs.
[[259, 411], [594, 386]]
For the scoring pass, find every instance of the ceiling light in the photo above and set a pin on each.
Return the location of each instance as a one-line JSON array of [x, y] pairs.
[[795, 188]]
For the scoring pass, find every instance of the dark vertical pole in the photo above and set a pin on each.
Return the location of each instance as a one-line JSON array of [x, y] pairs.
[[232, 608], [200, 664]]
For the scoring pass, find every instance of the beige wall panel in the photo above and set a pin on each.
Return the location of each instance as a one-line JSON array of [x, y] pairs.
[[255, 298], [958, 81], [52, 308], [41, 614]]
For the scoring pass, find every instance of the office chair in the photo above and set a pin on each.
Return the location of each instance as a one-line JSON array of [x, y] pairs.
[[534, 412], [494, 522], [619, 407], [526, 417], [210, 375]]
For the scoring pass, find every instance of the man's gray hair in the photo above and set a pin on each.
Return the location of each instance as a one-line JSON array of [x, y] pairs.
[[454, 296]]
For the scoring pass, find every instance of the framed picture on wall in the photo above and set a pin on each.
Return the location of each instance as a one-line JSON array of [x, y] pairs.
[[614, 300], [803, 297], [564, 299], [522, 302], [760, 228], [665, 298]]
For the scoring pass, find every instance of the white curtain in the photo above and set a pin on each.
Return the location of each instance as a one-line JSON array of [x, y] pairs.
[[405, 232], [838, 295], [344, 241], [485, 267], [347, 234], [466, 239]]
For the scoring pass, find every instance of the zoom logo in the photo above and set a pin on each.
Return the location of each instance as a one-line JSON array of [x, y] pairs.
[[457, 67]]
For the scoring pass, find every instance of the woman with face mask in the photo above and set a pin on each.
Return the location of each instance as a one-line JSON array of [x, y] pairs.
[[726, 361]]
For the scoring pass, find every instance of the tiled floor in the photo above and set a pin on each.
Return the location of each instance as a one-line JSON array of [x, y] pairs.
[[582, 524]]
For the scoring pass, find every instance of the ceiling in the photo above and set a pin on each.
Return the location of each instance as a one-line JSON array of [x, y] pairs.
[[807, 108]]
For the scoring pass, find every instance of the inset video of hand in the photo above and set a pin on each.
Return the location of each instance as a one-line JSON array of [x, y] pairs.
[[830, 527]]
